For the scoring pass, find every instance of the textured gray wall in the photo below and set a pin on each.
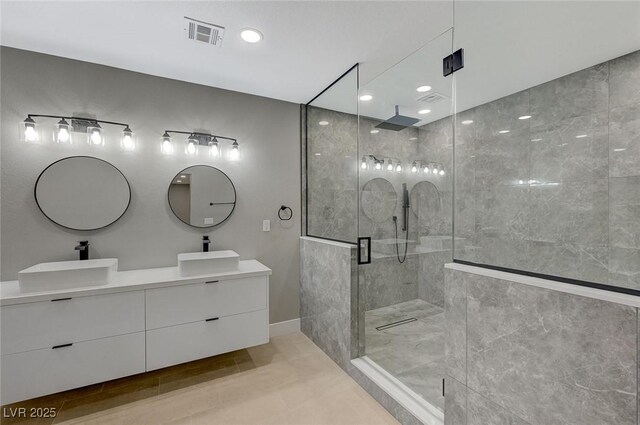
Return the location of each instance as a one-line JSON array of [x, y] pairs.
[[521, 355], [148, 235]]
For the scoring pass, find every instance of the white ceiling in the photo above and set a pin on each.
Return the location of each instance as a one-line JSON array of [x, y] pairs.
[[306, 44], [509, 45]]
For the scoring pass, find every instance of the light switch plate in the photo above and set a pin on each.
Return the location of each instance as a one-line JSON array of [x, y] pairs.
[[266, 225]]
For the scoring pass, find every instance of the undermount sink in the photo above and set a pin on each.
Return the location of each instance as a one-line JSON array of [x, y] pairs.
[[67, 274], [199, 263]]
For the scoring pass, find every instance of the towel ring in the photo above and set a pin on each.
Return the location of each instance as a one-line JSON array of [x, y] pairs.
[[283, 214]]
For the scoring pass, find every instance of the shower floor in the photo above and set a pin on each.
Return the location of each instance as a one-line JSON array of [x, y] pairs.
[[413, 352]]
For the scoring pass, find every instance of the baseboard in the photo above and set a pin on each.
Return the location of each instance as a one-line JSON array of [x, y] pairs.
[[416, 405], [284, 328]]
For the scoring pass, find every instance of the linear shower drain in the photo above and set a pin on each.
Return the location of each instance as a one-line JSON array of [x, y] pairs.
[[394, 324]]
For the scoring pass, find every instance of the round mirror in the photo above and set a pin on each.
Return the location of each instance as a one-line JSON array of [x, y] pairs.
[[82, 193], [202, 196], [378, 200], [426, 203]]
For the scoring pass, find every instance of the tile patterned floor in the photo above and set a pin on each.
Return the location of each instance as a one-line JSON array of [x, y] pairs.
[[288, 381], [412, 352]]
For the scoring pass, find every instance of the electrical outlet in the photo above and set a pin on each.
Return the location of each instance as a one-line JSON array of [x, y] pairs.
[[266, 225]]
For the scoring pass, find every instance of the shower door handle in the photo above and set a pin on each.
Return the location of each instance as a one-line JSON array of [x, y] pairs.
[[367, 248]]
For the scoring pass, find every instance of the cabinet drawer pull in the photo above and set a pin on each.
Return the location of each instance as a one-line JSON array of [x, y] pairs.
[[212, 319], [61, 299], [61, 346], [212, 281]]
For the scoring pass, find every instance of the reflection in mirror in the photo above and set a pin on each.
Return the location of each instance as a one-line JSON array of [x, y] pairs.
[[378, 200], [82, 193], [202, 196], [426, 205]]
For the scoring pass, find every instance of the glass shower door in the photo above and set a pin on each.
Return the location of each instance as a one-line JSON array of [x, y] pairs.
[[405, 151]]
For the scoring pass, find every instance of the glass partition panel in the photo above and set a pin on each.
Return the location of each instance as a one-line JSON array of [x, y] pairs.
[[405, 189], [547, 144], [331, 163]]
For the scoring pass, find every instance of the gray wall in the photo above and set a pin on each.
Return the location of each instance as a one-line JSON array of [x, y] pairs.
[[148, 235], [523, 355], [559, 193]]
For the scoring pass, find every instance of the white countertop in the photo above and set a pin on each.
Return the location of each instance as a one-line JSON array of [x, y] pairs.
[[132, 280]]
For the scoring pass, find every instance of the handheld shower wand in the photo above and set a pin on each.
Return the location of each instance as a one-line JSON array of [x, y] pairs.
[[405, 224]]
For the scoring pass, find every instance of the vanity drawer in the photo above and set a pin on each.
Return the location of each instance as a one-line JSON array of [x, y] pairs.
[[176, 305], [39, 372], [45, 324], [192, 341]]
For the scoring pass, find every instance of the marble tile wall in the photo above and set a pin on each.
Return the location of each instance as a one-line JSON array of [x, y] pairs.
[[556, 193], [518, 354], [327, 297]]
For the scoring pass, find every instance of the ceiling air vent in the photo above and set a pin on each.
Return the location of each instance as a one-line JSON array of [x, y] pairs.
[[432, 98], [202, 31]]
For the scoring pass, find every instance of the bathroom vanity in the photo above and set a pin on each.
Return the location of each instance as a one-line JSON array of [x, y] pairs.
[[59, 339]]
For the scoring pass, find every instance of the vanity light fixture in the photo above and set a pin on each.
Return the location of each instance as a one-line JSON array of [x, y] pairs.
[[196, 139], [127, 143], [441, 172], [398, 168], [363, 163], [62, 133], [390, 165], [63, 130], [234, 155], [414, 167], [378, 165], [166, 146], [426, 169]]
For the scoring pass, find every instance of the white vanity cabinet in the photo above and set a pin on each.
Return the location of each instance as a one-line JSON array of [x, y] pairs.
[[143, 320], [189, 322], [69, 342]]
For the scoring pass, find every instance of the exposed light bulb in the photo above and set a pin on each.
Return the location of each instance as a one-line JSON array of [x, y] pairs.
[[30, 134], [63, 135], [214, 151], [378, 165], [192, 146], [434, 171], [127, 142], [235, 152], [426, 170], [167, 146], [442, 172], [96, 137], [363, 163], [390, 166], [399, 168], [414, 168]]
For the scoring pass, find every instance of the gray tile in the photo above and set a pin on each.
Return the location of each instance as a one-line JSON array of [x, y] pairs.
[[551, 357], [624, 212], [426, 380], [502, 159], [625, 79], [500, 115], [624, 141], [455, 314], [502, 211], [624, 265], [481, 411], [455, 402], [582, 93]]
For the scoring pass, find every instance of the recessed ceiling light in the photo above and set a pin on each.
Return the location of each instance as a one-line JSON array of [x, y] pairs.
[[251, 35], [524, 117], [374, 131], [467, 122], [424, 111], [503, 131], [423, 89], [581, 136], [366, 97], [178, 181], [184, 177], [324, 123]]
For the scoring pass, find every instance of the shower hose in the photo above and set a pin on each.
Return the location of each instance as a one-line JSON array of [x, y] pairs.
[[402, 258]]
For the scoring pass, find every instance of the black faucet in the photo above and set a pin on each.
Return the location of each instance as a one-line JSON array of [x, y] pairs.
[[205, 243], [83, 248]]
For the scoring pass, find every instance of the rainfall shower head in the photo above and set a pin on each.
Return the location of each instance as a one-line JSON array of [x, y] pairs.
[[397, 122]]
